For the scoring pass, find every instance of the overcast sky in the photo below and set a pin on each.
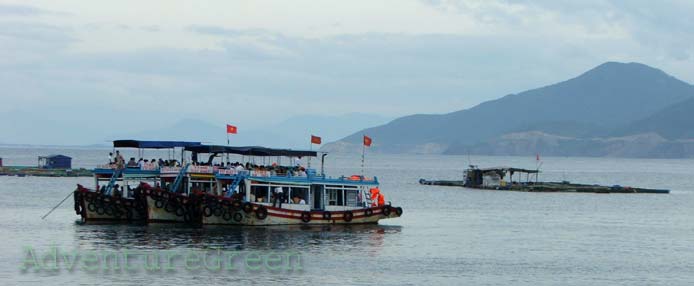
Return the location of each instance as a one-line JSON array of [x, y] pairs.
[[137, 65]]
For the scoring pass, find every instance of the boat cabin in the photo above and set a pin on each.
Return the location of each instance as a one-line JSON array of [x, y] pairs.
[[274, 184], [498, 177]]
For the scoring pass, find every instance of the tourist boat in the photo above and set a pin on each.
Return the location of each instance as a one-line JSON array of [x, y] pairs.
[[254, 195], [194, 192], [119, 194]]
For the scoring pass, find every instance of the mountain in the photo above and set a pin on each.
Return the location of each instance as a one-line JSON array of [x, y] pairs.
[[673, 122], [293, 133], [594, 104]]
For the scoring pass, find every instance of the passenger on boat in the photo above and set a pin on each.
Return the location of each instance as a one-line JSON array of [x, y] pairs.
[[301, 172], [120, 161], [381, 199], [297, 161], [298, 200], [132, 163], [278, 197], [110, 158]]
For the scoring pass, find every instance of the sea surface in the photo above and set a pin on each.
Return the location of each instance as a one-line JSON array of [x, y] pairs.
[[446, 236]]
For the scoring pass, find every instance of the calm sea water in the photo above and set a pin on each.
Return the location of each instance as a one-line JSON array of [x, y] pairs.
[[447, 235]]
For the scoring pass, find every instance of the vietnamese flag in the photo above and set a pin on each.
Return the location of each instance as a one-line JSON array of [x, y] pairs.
[[231, 129], [367, 141], [315, 139]]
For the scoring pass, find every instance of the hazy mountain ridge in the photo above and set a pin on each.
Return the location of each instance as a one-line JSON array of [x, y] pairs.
[[591, 113]]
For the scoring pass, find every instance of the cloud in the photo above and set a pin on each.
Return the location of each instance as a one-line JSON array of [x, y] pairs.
[[124, 73], [19, 10]]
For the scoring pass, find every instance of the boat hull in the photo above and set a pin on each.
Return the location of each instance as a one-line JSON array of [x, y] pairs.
[[167, 207], [250, 214], [96, 207]]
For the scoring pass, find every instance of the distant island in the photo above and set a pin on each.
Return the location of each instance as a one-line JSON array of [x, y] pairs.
[[612, 110]]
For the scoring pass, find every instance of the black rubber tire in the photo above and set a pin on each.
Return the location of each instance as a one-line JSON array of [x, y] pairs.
[[306, 217], [236, 205], [91, 207], [327, 215], [398, 211], [386, 210], [347, 216], [100, 210], [218, 211], [170, 208], [238, 217], [159, 203], [180, 211], [261, 213], [226, 216], [226, 203], [247, 207], [108, 210], [368, 212], [207, 211]]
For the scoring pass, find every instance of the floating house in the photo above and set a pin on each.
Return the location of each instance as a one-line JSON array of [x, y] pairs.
[[55, 162]]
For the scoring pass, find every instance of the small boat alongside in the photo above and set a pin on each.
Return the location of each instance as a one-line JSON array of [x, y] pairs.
[[526, 180], [120, 192]]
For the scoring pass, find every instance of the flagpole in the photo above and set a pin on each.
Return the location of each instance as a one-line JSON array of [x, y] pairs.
[[310, 148], [363, 150], [227, 145]]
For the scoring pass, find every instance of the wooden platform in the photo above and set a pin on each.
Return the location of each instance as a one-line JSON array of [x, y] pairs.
[[23, 171], [562, 187]]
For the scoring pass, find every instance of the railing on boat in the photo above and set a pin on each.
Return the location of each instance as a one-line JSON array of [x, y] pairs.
[[174, 171]]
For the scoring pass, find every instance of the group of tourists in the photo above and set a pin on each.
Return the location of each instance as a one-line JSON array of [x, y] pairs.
[[118, 162]]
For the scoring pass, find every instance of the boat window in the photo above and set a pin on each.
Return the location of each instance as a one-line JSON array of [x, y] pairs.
[[260, 194], [351, 198], [296, 194], [335, 197]]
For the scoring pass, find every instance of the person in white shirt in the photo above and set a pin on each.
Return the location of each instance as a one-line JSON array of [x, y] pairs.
[[279, 197], [297, 161]]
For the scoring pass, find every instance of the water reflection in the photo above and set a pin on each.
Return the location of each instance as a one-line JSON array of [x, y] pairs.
[[172, 236]]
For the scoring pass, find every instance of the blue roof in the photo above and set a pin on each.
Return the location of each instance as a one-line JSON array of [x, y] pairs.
[[152, 144]]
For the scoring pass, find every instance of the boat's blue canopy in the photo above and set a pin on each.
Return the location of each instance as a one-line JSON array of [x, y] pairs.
[[152, 144], [250, 151]]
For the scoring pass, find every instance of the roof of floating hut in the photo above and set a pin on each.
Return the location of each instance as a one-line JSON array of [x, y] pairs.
[[509, 169], [152, 144], [54, 156], [250, 150]]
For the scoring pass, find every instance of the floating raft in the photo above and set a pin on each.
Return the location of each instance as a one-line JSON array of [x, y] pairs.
[[22, 171], [562, 187]]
